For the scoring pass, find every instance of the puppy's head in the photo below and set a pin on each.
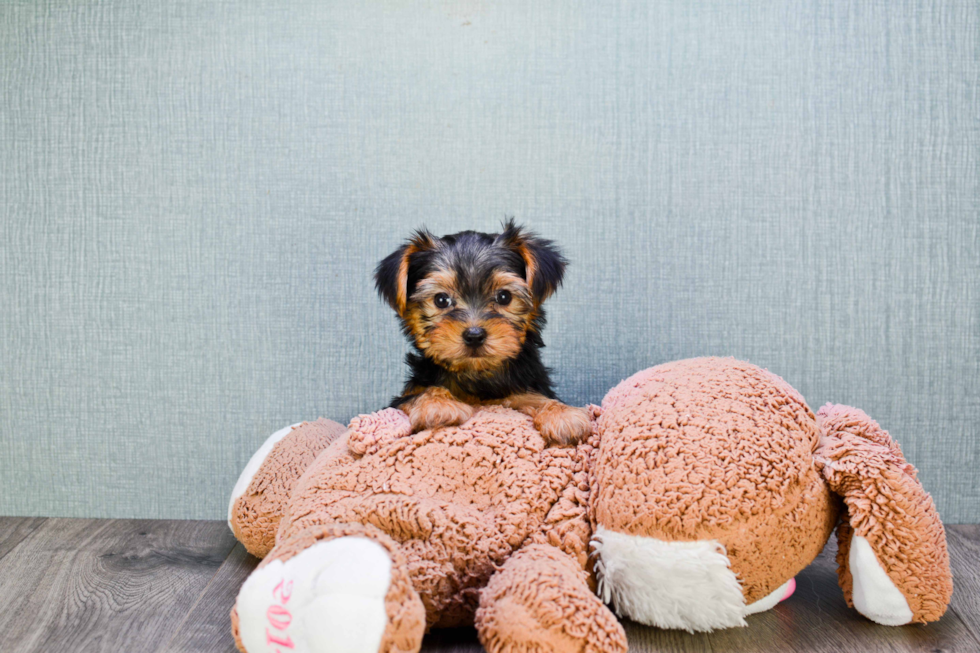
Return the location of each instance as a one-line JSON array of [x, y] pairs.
[[469, 301]]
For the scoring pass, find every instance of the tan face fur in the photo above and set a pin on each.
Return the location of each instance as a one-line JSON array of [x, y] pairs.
[[438, 332]]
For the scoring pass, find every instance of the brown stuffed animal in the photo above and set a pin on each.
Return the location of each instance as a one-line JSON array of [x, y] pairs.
[[706, 486]]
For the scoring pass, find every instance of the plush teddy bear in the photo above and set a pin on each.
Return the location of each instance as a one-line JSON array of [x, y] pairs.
[[706, 486]]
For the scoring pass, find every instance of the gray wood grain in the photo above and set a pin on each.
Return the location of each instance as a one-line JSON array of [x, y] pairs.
[[207, 625], [106, 585], [167, 587], [964, 553], [14, 529]]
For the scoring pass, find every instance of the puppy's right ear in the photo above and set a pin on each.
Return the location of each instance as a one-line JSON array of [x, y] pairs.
[[544, 263], [391, 275]]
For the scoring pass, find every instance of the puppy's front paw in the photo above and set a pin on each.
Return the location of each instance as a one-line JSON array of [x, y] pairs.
[[437, 408], [562, 425]]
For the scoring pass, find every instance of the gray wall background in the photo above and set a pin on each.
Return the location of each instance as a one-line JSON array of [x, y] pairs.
[[193, 197]]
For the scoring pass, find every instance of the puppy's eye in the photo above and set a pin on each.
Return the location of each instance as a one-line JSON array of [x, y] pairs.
[[503, 297], [442, 300]]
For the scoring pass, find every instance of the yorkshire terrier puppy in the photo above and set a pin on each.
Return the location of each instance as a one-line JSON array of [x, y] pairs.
[[470, 305]]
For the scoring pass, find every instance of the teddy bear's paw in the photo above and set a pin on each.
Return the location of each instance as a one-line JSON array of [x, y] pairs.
[[563, 425], [893, 564], [329, 597], [873, 593], [435, 409]]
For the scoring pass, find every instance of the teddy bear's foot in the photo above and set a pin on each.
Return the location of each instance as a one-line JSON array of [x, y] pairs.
[[327, 591], [893, 565], [872, 592], [540, 601]]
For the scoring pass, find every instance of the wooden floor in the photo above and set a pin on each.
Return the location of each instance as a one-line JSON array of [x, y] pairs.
[[166, 586]]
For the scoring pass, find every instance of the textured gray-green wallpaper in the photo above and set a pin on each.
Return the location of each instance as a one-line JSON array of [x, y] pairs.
[[193, 196]]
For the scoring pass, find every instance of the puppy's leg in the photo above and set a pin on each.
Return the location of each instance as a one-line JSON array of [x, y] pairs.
[[434, 407], [558, 423]]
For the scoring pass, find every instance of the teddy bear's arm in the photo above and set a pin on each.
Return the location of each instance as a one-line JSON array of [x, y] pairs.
[[892, 560], [259, 497], [540, 601], [369, 432]]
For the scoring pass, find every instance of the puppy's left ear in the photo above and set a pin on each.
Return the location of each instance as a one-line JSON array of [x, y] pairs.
[[544, 264], [391, 277]]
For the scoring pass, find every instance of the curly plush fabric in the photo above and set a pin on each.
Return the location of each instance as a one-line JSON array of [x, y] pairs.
[[458, 500], [715, 449], [256, 514], [541, 602], [888, 507]]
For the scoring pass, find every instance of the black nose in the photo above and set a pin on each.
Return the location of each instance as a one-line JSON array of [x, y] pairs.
[[474, 336]]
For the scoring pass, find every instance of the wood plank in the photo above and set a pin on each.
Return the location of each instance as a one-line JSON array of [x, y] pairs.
[[106, 585], [207, 626], [964, 554], [14, 529], [646, 639]]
